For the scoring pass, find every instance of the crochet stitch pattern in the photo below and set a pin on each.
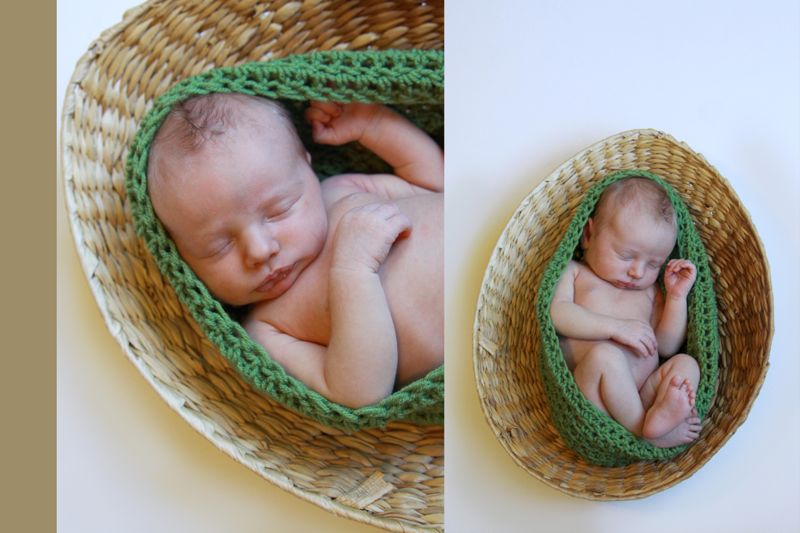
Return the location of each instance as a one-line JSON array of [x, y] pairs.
[[590, 433], [412, 82]]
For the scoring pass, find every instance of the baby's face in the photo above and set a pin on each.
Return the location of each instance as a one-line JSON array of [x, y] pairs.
[[628, 249], [246, 214]]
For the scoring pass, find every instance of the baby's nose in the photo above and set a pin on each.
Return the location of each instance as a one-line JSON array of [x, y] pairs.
[[260, 246], [636, 271]]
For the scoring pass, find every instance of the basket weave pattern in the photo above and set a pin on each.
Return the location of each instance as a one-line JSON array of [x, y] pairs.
[[392, 477], [506, 339]]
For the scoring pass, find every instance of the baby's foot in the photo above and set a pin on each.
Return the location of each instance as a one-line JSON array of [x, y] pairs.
[[672, 405], [684, 433]]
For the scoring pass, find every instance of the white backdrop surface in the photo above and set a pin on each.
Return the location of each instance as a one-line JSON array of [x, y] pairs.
[[530, 84]]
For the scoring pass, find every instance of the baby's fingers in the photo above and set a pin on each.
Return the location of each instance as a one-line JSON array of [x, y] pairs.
[[314, 115], [643, 347], [650, 346], [681, 266], [332, 109], [398, 223]]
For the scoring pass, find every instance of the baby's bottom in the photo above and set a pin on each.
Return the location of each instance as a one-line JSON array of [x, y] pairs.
[[661, 411]]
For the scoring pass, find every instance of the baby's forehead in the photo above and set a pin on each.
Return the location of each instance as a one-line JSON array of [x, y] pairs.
[[636, 196]]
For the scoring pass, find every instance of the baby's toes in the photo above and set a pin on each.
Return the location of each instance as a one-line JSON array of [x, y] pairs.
[[690, 392]]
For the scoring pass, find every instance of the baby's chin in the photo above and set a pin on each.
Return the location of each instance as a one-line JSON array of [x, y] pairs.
[[630, 285], [277, 284], [248, 299]]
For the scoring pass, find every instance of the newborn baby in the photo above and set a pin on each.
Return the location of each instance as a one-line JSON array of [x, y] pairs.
[[614, 321], [344, 277]]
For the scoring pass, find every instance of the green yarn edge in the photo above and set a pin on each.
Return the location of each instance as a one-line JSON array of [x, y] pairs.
[[592, 434], [412, 81]]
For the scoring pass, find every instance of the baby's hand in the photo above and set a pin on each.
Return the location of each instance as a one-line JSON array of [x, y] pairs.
[[636, 335], [335, 123], [365, 235], [679, 277]]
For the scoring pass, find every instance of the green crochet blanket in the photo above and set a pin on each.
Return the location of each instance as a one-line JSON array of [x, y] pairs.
[[592, 434], [410, 81]]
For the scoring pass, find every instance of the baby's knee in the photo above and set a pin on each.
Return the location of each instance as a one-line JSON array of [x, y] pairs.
[[684, 364], [603, 356]]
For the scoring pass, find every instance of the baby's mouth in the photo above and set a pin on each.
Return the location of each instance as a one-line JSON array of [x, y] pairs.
[[274, 277]]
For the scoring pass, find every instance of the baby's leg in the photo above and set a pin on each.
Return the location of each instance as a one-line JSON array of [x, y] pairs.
[[605, 378], [668, 395]]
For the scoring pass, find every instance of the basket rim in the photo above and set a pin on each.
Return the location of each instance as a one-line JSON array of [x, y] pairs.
[[653, 488]]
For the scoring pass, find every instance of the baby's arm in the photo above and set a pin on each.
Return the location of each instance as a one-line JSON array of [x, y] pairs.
[[359, 365], [679, 277], [576, 322], [411, 152]]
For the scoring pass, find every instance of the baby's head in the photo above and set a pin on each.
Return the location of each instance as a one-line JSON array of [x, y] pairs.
[[631, 233], [232, 184]]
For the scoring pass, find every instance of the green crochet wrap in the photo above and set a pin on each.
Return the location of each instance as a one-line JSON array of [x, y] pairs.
[[592, 434], [412, 82]]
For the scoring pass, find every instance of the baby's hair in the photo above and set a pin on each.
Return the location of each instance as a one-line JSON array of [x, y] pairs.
[[193, 123], [644, 193]]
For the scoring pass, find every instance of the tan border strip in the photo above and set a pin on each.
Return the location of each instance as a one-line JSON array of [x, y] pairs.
[[28, 267]]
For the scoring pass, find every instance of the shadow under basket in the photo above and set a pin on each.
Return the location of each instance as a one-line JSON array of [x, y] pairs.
[[391, 477], [506, 338]]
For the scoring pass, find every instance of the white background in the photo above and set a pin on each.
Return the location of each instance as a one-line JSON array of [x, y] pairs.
[[528, 86]]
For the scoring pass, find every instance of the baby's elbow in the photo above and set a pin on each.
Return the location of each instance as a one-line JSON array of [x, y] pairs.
[[357, 399], [353, 394], [556, 314], [668, 348]]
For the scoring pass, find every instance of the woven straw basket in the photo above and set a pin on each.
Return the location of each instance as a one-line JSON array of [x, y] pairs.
[[393, 477], [506, 346]]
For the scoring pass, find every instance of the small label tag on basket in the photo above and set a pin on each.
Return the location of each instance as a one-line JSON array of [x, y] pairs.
[[488, 344], [374, 487]]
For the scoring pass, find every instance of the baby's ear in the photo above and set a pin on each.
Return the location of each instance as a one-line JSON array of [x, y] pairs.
[[587, 232]]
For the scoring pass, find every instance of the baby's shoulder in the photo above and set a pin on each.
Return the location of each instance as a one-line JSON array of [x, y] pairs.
[[343, 192], [382, 186], [258, 314], [578, 269], [571, 273], [342, 185]]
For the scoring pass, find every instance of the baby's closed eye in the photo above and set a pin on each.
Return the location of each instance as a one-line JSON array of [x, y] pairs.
[[279, 210], [219, 248]]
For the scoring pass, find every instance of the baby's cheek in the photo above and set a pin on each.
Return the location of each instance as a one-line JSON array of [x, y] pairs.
[[221, 283]]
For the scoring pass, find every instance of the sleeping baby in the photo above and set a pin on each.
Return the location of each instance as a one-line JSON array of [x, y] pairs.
[[614, 321], [342, 279]]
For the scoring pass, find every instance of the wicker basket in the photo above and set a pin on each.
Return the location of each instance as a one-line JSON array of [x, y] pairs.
[[506, 343], [393, 477]]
